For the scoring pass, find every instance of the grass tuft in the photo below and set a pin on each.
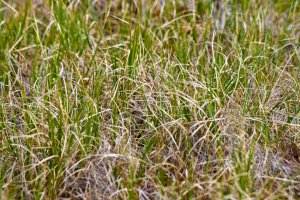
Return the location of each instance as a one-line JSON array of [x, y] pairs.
[[149, 99]]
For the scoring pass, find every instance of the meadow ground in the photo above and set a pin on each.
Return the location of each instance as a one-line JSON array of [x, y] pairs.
[[149, 99]]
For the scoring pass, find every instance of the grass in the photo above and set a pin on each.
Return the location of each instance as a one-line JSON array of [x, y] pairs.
[[149, 99]]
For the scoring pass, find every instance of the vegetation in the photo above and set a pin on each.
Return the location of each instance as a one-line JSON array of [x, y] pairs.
[[194, 99]]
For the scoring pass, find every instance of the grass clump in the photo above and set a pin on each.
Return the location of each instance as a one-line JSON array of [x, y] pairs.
[[149, 99]]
